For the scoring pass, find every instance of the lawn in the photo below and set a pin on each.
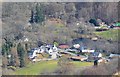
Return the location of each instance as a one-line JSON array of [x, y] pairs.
[[81, 64], [110, 34], [38, 67]]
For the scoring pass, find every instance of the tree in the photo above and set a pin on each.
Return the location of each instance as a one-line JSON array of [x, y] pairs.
[[4, 50], [39, 17], [26, 46], [94, 21], [12, 60], [70, 7], [19, 36], [109, 68], [40, 43], [4, 61], [95, 71], [15, 56], [65, 66], [6, 47], [55, 43], [21, 54], [53, 10], [32, 19]]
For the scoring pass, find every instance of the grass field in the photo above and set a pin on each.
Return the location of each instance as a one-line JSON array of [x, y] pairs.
[[39, 67], [110, 34]]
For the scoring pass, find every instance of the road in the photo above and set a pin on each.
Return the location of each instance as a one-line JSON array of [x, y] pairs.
[[66, 51]]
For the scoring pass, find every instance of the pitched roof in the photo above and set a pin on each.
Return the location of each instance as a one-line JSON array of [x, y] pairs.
[[63, 46]]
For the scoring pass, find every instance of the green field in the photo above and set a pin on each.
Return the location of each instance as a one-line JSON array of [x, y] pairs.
[[110, 34], [39, 67]]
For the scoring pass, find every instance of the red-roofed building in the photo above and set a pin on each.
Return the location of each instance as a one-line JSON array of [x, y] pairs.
[[64, 46]]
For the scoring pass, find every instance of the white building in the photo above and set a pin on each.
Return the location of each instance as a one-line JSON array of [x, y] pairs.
[[55, 48], [76, 45], [87, 50], [114, 55], [100, 55], [33, 52], [50, 51], [26, 40]]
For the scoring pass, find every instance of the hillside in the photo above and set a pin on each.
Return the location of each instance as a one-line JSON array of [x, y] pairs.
[[16, 16], [63, 22], [112, 35], [34, 31]]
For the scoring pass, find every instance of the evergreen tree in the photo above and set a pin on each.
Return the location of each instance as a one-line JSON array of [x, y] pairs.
[[22, 63], [4, 50], [39, 17], [21, 54], [26, 46], [94, 21], [6, 47], [12, 60], [32, 19]]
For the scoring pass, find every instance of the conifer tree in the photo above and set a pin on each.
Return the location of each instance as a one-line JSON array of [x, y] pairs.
[[39, 17], [21, 54]]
